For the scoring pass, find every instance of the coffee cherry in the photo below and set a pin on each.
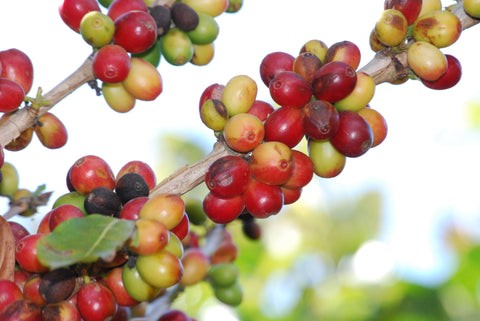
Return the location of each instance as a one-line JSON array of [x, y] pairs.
[[317, 47], [143, 82], [271, 163], [213, 114], [472, 8], [376, 122], [23, 309], [211, 7], [195, 266], [102, 200], [289, 89], [97, 29], [11, 95], [223, 210], [162, 16], [63, 309], [130, 186], [18, 230], [285, 125], [306, 65], [202, 54], [361, 95], [228, 176], [17, 66], [440, 28], [182, 229], [214, 91], [274, 63], [176, 47], [320, 119], [62, 213], [162, 269], [164, 207], [149, 237], [135, 286], [21, 141], [57, 285], [261, 109], [136, 31], [327, 161], [26, 254], [131, 209], [114, 281], [223, 274], [72, 11], [345, 51], [391, 28], [184, 17], [354, 136], [302, 170], [31, 289], [263, 200], [120, 7], [10, 179], [118, 97], [175, 246], [142, 168], [51, 132], [239, 94], [243, 132], [426, 60], [290, 195], [231, 295], [409, 8], [111, 63], [89, 172], [10, 293], [234, 6], [206, 30], [450, 78], [96, 302], [334, 81]]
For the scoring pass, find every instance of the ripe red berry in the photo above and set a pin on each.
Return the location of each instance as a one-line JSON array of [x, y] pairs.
[[89, 172], [222, 210], [11, 95], [96, 302], [72, 11], [228, 176], [263, 200], [354, 136], [111, 63], [289, 89], [136, 31], [274, 63]]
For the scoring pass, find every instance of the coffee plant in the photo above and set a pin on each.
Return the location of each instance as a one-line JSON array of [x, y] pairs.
[[122, 243]]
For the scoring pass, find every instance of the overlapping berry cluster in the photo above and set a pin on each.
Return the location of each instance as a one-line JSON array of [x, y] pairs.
[[129, 38]]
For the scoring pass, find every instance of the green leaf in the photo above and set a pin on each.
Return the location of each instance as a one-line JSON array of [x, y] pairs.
[[84, 240]]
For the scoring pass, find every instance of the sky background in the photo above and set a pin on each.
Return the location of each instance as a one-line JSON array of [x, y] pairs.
[[427, 167]]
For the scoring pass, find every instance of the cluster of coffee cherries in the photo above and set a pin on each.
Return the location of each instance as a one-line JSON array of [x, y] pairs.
[[16, 79], [422, 29], [129, 38], [161, 251], [321, 98]]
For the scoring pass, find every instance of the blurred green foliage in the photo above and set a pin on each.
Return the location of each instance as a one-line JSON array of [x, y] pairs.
[[302, 268]]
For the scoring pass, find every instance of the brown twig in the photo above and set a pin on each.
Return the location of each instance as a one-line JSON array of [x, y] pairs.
[[7, 250]]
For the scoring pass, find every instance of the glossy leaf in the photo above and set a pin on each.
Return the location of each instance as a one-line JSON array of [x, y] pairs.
[[84, 240]]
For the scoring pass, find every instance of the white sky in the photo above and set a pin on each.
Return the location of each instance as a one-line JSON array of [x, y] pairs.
[[427, 165]]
